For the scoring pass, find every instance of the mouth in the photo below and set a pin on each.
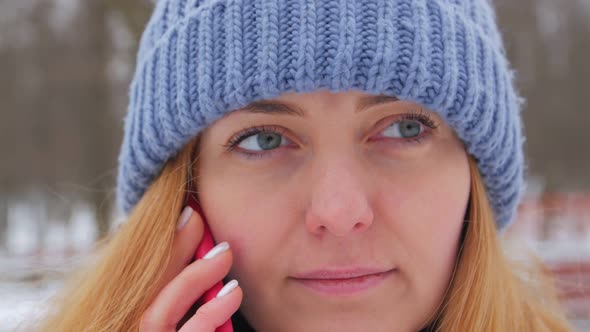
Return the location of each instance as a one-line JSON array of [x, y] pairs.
[[342, 282]]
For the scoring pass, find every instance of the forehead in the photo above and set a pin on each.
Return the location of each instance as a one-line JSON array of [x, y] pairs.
[[299, 104]]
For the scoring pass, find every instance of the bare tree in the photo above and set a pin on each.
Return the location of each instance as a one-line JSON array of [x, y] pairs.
[[548, 43]]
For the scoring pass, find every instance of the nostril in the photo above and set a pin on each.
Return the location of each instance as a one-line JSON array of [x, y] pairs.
[[360, 226]]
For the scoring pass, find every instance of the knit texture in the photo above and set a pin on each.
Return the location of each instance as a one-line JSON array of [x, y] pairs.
[[200, 59]]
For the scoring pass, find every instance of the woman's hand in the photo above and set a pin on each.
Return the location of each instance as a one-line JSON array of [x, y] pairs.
[[183, 284]]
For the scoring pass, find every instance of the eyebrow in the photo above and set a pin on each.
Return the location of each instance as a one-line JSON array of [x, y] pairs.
[[285, 108]]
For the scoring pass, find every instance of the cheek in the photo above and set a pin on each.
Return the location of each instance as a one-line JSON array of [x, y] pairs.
[[425, 210], [249, 219]]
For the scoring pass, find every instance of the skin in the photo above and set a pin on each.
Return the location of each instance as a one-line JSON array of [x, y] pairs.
[[344, 188]]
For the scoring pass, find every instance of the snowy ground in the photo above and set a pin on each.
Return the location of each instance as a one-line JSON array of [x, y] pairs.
[[25, 283], [34, 261], [20, 301]]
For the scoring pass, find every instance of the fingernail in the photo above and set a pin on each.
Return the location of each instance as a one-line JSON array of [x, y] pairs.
[[184, 217], [218, 249], [230, 286]]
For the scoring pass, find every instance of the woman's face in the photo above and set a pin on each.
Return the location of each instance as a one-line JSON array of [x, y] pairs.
[[343, 210]]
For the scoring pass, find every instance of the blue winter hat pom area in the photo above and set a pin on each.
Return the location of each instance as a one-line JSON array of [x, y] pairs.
[[200, 59]]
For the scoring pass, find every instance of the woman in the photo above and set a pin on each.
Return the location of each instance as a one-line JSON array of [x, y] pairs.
[[354, 160]]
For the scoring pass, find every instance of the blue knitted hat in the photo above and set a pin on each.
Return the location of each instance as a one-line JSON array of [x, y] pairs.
[[200, 59]]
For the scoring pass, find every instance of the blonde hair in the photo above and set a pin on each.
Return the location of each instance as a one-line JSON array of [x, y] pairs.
[[490, 293], [110, 294]]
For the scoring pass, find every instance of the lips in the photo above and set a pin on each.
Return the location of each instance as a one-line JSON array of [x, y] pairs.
[[339, 273], [343, 281]]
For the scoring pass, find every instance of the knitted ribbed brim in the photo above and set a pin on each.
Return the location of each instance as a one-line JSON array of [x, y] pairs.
[[201, 59]]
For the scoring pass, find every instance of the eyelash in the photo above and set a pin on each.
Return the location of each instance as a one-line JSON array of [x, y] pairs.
[[420, 116], [242, 135]]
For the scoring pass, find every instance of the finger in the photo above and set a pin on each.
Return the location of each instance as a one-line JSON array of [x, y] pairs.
[[214, 313], [186, 240], [184, 290]]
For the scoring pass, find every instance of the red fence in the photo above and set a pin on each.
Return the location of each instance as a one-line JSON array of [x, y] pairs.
[[573, 283]]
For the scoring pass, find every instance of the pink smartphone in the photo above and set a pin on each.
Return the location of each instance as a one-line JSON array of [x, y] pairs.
[[207, 243]]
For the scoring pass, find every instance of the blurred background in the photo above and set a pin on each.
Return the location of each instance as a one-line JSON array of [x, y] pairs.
[[65, 66]]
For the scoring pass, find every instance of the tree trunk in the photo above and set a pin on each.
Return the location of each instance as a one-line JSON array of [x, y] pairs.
[[101, 132], [3, 222]]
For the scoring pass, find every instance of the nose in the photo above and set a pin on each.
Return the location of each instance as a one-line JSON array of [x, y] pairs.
[[339, 204]]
